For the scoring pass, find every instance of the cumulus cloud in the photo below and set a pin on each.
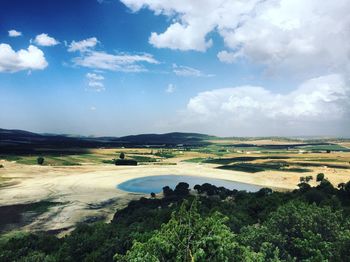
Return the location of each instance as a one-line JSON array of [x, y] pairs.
[[318, 106], [170, 89], [114, 62], [96, 86], [227, 57], [45, 40], [95, 81], [191, 38], [14, 33], [94, 76], [294, 35], [83, 45], [192, 21], [24, 59], [188, 71]]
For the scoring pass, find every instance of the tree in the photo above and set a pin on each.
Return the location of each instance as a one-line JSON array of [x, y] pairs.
[[319, 177], [122, 155], [182, 189], [188, 236], [40, 160], [308, 178], [167, 191], [299, 230]]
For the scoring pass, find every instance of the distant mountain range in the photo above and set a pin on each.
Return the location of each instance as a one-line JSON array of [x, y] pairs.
[[24, 141]]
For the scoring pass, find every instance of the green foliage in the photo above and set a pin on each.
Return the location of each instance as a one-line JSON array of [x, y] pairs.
[[144, 159], [319, 177], [122, 155], [300, 230], [40, 160], [308, 224], [125, 162], [259, 167], [165, 153], [188, 236], [195, 160]]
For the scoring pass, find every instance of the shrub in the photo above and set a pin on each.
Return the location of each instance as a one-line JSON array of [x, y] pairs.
[[40, 160], [319, 177], [125, 162], [122, 155]]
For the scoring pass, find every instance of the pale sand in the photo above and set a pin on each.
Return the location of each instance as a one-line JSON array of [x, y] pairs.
[[80, 186]]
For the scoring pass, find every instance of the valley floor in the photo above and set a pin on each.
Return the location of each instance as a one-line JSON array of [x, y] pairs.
[[89, 192]]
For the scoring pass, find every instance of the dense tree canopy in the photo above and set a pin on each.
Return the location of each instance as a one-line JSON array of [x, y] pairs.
[[214, 224]]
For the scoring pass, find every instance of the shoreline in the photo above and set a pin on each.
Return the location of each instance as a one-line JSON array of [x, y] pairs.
[[80, 187]]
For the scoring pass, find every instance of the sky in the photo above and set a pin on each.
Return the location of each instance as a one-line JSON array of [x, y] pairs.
[[220, 67]]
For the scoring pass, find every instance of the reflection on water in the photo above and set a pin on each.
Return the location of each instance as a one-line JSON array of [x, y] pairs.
[[156, 183]]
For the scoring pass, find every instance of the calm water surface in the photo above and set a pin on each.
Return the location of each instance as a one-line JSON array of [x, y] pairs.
[[156, 183]]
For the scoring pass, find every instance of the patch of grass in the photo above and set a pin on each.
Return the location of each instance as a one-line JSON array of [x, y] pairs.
[[195, 160], [41, 207], [144, 159], [165, 154], [323, 160], [10, 157], [108, 161], [48, 160], [226, 161], [331, 147], [259, 167], [125, 162], [321, 165], [165, 164]]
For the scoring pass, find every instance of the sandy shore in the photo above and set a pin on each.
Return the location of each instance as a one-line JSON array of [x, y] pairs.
[[90, 190]]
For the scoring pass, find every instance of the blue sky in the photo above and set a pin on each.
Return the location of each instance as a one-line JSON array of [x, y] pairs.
[[141, 66]]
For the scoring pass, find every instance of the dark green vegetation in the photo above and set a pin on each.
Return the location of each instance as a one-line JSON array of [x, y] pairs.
[[259, 167], [165, 153], [125, 162], [217, 224], [226, 161], [277, 163], [143, 159], [40, 160]]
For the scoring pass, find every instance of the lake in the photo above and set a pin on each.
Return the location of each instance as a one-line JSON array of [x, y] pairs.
[[155, 184]]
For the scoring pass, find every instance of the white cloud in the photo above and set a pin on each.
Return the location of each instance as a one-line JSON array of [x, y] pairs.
[[191, 38], [114, 62], [95, 81], [24, 59], [83, 45], [295, 36], [227, 57], [96, 86], [192, 20], [14, 33], [93, 76], [45, 40], [170, 89], [318, 106], [188, 71]]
